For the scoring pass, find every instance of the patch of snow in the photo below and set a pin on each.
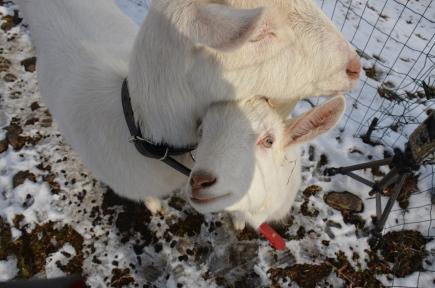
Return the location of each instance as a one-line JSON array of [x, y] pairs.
[[8, 269]]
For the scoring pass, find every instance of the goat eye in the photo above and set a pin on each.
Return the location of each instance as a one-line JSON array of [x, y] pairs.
[[267, 141]]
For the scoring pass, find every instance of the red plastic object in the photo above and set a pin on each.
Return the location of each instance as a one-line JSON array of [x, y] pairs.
[[272, 236]]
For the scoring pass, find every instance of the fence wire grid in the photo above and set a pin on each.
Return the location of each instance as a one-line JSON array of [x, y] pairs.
[[396, 40]]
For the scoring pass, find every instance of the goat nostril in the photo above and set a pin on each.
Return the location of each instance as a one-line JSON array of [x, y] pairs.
[[208, 183], [353, 68], [201, 180]]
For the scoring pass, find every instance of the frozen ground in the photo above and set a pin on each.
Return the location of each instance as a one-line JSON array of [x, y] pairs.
[[56, 219]]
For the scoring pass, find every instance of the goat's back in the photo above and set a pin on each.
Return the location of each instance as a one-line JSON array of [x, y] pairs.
[[55, 23], [72, 36], [83, 49]]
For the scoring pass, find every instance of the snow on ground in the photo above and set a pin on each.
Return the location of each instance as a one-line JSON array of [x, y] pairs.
[[55, 219]]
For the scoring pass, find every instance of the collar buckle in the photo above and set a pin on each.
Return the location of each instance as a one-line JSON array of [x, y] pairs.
[[136, 139]]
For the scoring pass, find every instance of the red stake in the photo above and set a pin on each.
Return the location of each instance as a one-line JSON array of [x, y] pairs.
[[272, 236]]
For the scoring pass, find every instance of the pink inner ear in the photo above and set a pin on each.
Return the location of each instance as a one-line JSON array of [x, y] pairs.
[[315, 122], [325, 119], [302, 131]]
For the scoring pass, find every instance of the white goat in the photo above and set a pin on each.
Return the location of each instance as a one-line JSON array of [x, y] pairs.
[[186, 56], [248, 160]]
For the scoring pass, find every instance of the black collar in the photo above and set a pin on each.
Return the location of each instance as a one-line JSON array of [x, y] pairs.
[[145, 147]]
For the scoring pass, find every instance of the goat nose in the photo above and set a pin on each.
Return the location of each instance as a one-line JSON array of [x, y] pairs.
[[353, 68], [201, 179]]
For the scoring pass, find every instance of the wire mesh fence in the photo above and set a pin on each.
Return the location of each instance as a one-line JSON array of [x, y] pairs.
[[396, 42]]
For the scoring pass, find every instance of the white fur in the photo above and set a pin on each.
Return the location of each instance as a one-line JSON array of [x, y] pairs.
[[174, 76], [255, 183], [81, 66], [286, 50]]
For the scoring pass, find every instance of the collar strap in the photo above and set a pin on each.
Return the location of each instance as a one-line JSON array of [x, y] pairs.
[[146, 147]]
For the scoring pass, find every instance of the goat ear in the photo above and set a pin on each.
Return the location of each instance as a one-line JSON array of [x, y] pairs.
[[315, 122], [223, 27]]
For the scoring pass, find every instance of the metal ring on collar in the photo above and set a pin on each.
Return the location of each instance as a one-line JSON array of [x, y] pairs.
[[166, 154], [136, 138], [193, 155]]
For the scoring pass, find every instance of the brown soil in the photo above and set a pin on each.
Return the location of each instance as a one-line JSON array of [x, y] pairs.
[[357, 220], [5, 239], [32, 249], [248, 281], [18, 220], [190, 226], [121, 278], [133, 219], [408, 188], [353, 278], [323, 161], [34, 106], [10, 21], [5, 64], [307, 211], [373, 73], [305, 275], [305, 208], [282, 228], [54, 185], [177, 203], [247, 234], [3, 145], [388, 94], [201, 253], [376, 171], [29, 64], [15, 138], [21, 177], [10, 77], [312, 190], [415, 95], [405, 249], [300, 234]]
